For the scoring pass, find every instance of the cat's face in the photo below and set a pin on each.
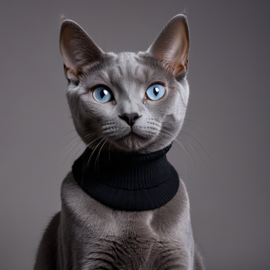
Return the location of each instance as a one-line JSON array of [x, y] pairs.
[[127, 102]]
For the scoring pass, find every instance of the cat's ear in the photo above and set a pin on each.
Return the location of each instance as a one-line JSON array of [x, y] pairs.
[[78, 50], [172, 45]]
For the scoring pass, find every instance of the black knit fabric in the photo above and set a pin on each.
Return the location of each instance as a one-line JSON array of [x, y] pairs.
[[127, 182]]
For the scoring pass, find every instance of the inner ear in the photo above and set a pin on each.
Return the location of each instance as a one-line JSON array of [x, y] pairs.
[[78, 50], [171, 47]]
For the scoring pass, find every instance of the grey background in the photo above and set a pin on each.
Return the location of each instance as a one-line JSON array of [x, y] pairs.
[[225, 164]]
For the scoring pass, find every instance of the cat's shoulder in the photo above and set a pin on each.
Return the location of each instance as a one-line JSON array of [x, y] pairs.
[[74, 196]]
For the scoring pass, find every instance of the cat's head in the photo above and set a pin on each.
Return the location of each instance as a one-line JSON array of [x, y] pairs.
[[132, 102]]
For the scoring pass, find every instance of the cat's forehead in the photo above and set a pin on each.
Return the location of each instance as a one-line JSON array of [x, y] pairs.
[[125, 59], [128, 68]]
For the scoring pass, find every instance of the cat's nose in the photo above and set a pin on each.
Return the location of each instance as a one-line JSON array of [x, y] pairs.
[[130, 118]]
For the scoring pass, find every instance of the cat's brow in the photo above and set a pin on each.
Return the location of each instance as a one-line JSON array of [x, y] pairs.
[[125, 69], [120, 70]]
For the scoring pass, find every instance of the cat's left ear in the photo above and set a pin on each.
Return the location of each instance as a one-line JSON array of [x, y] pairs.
[[78, 50], [171, 47]]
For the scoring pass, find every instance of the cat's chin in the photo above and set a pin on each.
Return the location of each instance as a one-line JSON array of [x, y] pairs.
[[132, 142]]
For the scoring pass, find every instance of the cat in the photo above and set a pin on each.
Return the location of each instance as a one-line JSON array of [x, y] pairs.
[[123, 204]]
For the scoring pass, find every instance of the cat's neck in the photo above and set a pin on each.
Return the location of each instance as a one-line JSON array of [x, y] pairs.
[[127, 182]]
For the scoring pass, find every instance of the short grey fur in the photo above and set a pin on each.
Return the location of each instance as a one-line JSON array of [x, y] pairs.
[[86, 234]]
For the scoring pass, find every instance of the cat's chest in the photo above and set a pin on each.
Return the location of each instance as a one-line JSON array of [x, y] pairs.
[[118, 253], [130, 249], [120, 241], [120, 228], [102, 238]]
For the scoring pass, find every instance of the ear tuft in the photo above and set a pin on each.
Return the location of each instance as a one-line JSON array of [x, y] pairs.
[[63, 17], [171, 47], [185, 12]]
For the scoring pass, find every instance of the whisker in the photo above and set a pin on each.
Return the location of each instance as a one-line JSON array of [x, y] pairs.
[[109, 150], [89, 159], [74, 130], [194, 129], [85, 145], [189, 155], [186, 119], [193, 149], [67, 146], [200, 145], [69, 149], [77, 137], [75, 144], [174, 147], [97, 159]]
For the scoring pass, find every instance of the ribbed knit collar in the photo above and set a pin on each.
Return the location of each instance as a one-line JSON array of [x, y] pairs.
[[127, 182]]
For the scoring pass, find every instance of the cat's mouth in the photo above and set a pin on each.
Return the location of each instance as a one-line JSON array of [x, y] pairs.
[[131, 137], [132, 134], [131, 141]]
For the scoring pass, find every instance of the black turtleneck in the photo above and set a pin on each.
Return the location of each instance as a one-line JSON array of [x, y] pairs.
[[127, 182]]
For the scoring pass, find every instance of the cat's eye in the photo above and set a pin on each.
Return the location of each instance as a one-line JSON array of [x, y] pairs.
[[102, 94], [155, 92]]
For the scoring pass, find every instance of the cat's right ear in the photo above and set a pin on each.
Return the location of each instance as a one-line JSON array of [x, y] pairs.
[[78, 50], [171, 47]]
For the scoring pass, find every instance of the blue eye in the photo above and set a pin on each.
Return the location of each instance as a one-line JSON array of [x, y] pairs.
[[155, 92], [102, 94]]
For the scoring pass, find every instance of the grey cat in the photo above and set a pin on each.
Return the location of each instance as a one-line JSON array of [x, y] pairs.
[[126, 104]]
